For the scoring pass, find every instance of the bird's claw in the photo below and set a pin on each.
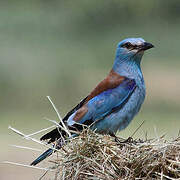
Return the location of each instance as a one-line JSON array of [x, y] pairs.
[[128, 140]]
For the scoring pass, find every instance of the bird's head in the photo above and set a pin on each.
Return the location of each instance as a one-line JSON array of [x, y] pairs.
[[128, 56], [132, 48]]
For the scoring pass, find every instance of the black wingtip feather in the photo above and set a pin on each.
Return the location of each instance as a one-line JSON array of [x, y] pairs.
[[52, 136]]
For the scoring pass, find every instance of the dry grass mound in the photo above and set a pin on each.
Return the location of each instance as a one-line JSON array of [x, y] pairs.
[[95, 156]]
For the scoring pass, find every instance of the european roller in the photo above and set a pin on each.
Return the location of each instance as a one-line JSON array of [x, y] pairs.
[[113, 103]]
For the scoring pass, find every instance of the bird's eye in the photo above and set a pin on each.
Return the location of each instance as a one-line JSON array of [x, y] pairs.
[[127, 45]]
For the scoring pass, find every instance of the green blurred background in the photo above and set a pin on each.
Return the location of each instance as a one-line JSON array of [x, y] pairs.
[[64, 48]]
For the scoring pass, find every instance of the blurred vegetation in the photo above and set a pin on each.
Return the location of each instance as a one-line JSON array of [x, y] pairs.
[[64, 48], [46, 46]]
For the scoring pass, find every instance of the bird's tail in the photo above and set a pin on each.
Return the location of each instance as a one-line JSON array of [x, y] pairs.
[[42, 157], [59, 143]]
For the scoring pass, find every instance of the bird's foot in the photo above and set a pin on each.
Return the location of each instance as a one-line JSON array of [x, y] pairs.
[[128, 140], [120, 141]]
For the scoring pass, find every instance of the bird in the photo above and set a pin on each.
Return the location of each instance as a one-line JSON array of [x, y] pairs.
[[113, 103]]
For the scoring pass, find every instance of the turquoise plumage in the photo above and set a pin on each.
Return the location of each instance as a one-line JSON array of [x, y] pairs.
[[115, 101]]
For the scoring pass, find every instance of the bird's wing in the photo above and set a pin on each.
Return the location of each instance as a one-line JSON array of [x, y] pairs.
[[112, 81], [109, 96]]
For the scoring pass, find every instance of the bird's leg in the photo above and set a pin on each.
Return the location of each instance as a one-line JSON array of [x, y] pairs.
[[120, 140], [128, 140], [117, 139]]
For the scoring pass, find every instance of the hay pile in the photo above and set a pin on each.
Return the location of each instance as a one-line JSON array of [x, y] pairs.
[[95, 156]]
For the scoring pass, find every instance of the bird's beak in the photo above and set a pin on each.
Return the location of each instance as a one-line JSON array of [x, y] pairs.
[[145, 46]]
